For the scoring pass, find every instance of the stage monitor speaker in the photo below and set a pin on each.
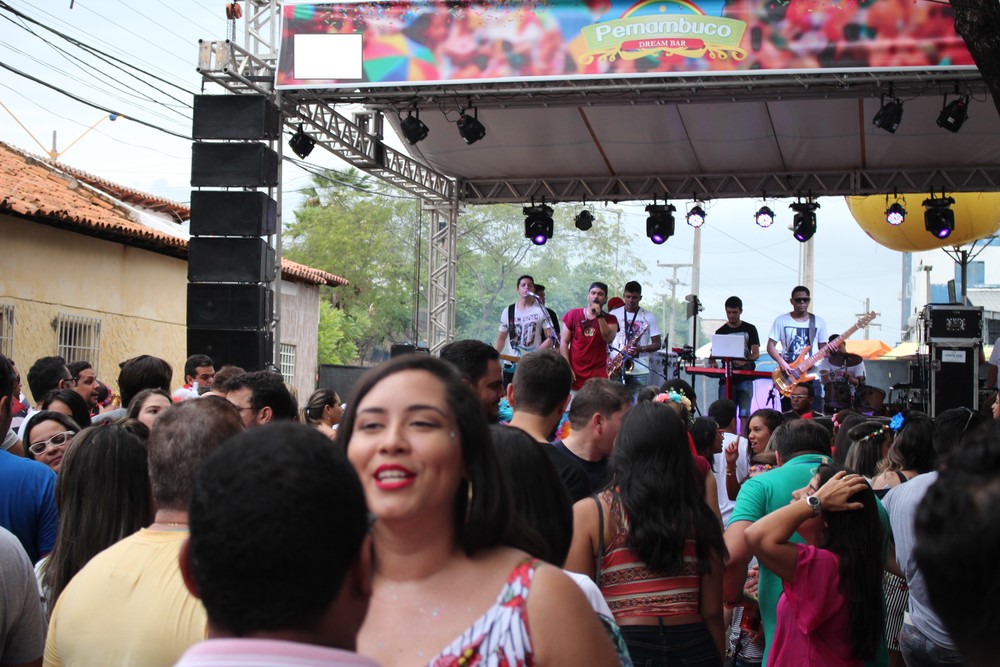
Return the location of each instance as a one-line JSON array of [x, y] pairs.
[[233, 165], [235, 117], [954, 378], [399, 349], [250, 350], [220, 306], [232, 213], [229, 260]]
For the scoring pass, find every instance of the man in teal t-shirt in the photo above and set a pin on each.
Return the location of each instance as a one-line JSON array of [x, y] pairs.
[[801, 445]]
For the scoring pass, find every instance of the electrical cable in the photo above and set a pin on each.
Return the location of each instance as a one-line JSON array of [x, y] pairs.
[[88, 47], [80, 63], [88, 103]]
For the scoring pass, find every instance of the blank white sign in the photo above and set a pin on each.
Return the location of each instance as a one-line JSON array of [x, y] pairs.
[[327, 57]]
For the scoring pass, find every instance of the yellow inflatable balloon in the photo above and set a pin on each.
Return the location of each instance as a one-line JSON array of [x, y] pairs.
[[977, 215]]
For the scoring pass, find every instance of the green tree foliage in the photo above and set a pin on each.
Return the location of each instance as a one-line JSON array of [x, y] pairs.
[[349, 226], [354, 226]]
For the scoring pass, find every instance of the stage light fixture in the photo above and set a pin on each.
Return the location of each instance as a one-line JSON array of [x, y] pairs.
[[764, 217], [660, 223], [696, 216], [301, 143], [895, 215], [954, 113], [939, 219], [804, 222], [584, 220], [537, 223], [413, 128], [470, 128], [889, 114]]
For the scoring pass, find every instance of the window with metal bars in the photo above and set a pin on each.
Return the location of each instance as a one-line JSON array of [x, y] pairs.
[[78, 339], [286, 362], [7, 329]]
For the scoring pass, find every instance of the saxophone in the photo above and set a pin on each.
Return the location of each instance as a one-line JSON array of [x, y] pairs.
[[617, 362]]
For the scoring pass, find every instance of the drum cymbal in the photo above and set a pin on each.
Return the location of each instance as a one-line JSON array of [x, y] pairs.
[[847, 360]]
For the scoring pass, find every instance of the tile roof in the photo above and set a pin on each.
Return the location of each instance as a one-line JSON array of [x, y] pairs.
[[38, 189]]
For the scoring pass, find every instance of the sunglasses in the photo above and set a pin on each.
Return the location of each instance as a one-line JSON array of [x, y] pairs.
[[58, 440], [802, 299]]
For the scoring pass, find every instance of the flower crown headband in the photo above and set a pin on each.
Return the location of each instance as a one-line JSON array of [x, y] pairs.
[[673, 397], [880, 431]]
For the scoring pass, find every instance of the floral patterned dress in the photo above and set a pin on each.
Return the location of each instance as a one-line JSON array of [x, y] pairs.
[[498, 638]]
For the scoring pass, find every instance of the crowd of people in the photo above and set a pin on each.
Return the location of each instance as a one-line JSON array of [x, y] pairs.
[[225, 522]]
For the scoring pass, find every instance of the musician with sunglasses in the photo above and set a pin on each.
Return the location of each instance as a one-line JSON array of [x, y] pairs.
[[798, 331]]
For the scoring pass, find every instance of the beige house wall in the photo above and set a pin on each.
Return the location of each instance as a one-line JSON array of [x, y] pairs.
[[139, 296]]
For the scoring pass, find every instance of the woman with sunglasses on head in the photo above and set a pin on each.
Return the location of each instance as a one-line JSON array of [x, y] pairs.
[[46, 435], [830, 613], [447, 590]]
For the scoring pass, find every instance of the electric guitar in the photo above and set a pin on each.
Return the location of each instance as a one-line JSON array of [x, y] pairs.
[[513, 358], [785, 382]]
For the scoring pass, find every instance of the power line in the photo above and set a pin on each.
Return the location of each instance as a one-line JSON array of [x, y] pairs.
[[76, 122], [87, 102], [83, 45], [142, 37], [107, 60]]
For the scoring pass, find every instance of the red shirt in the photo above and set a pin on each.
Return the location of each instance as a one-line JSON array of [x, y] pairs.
[[588, 352]]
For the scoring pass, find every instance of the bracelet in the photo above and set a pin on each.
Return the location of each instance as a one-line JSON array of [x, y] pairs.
[[731, 472], [735, 603]]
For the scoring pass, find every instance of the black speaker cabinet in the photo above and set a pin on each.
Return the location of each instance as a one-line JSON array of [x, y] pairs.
[[232, 213], [954, 377], [229, 260], [235, 117], [233, 165], [220, 306], [250, 350], [951, 322]]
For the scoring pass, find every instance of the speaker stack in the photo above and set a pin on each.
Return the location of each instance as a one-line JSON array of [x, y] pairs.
[[954, 336], [231, 263]]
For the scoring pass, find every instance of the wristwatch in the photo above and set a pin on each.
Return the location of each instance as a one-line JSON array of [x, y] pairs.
[[814, 504]]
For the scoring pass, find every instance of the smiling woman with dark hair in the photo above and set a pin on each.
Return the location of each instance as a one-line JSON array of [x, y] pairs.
[[447, 590]]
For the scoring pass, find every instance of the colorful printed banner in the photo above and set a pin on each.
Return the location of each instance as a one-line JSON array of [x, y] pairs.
[[413, 43]]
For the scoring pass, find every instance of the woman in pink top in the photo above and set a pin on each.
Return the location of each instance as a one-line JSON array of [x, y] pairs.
[[830, 614]]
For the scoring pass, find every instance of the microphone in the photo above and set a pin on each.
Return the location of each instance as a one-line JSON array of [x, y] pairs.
[[531, 294]]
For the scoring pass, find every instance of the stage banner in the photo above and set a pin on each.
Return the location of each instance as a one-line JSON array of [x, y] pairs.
[[352, 44]]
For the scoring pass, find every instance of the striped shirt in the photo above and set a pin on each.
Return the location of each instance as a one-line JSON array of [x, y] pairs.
[[631, 589]]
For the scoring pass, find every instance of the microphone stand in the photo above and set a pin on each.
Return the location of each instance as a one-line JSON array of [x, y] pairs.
[[548, 318]]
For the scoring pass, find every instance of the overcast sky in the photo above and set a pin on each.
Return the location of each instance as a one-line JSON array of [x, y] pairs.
[[161, 37]]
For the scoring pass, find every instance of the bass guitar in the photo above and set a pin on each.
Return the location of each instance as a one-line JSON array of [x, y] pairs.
[[785, 382]]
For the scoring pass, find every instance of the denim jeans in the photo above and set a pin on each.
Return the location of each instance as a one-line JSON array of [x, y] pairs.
[[669, 645], [742, 395], [919, 651]]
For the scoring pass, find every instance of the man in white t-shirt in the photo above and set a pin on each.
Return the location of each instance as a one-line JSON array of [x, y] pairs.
[[798, 331], [723, 411], [636, 348], [530, 330]]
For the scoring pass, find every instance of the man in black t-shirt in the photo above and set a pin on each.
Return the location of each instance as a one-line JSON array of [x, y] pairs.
[[742, 388]]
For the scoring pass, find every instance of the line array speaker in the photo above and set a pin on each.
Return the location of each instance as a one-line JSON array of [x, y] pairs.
[[230, 260], [232, 213], [225, 165], [250, 350], [235, 117], [224, 306]]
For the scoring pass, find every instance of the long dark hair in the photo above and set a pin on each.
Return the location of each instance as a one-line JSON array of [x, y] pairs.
[[857, 538], [703, 432], [654, 474], [102, 494], [483, 515], [913, 446], [72, 400]]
